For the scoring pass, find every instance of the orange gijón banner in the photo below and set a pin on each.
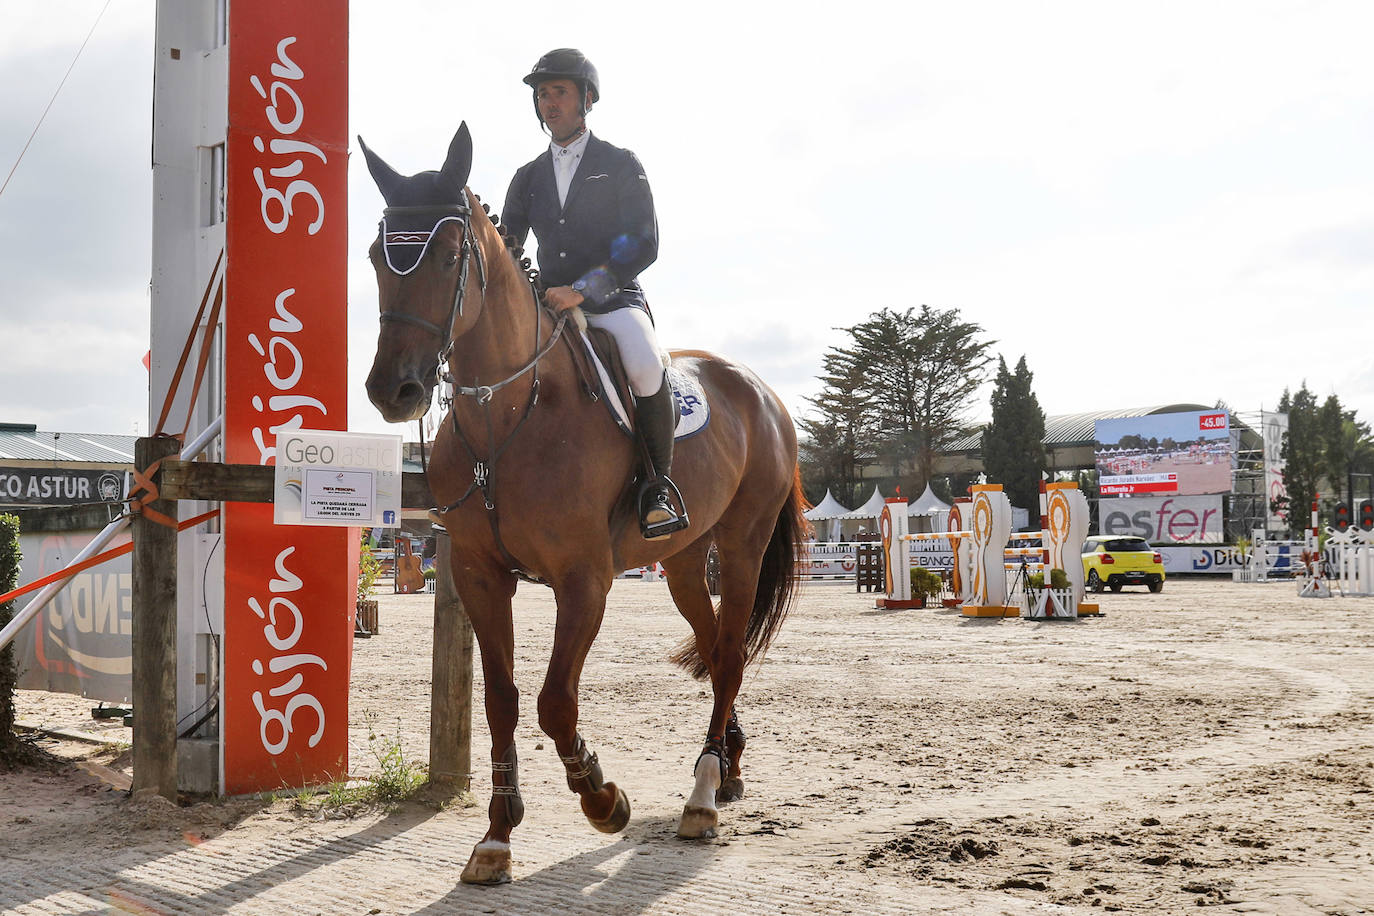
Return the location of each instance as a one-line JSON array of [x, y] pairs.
[[288, 592]]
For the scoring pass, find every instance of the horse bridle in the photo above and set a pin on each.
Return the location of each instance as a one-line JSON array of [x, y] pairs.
[[462, 214]]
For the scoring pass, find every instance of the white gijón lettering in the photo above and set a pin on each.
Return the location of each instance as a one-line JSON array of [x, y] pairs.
[[286, 159], [283, 626]]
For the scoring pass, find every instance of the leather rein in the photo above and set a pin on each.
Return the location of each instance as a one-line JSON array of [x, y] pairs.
[[482, 470]]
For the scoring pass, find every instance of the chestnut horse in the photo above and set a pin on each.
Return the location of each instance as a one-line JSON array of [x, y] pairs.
[[534, 475]]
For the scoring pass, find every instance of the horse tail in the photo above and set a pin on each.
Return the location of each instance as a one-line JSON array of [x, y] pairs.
[[778, 573], [777, 585]]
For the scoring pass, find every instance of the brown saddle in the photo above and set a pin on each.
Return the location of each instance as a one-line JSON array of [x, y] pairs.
[[593, 384], [604, 345], [606, 350]]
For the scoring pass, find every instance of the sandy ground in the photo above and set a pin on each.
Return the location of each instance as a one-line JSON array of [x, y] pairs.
[[1211, 746]]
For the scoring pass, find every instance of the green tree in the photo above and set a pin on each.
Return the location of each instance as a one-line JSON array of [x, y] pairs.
[[1335, 460], [1014, 442], [1302, 456], [1347, 449], [826, 457], [1359, 447], [9, 675], [913, 373], [830, 449]]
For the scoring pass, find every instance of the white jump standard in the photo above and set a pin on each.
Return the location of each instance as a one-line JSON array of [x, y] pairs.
[[982, 561]]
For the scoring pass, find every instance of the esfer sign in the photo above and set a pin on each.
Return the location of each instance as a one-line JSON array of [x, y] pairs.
[[1170, 520]]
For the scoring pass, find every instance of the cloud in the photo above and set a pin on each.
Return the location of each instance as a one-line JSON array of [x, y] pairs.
[[74, 223], [1349, 246], [1179, 197]]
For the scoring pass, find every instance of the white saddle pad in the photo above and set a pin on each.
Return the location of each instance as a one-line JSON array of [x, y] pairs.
[[693, 408]]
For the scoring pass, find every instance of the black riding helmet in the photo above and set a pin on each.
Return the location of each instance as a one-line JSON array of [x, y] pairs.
[[565, 63]]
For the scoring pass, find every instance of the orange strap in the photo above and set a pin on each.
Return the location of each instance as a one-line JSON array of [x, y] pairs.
[[96, 560], [143, 481], [204, 360], [190, 341]]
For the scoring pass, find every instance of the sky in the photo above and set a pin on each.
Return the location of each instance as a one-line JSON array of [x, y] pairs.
[[1153, 203]]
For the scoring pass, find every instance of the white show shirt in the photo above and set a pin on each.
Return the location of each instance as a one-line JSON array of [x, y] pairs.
[[565, 162]]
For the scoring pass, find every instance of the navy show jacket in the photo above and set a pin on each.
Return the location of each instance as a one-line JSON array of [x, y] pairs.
[[602, 237]]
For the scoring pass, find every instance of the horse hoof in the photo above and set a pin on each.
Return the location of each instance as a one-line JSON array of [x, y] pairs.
[[619, 816], [697, 823], [730, 790], [489, 864]]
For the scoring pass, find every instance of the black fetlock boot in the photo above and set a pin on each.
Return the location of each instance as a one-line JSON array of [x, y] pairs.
[[656, 419]]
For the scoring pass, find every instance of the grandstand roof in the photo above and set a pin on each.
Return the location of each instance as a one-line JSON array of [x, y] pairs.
[[1071, 429], [26, 442]]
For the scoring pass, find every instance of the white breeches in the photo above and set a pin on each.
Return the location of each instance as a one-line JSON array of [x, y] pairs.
[[639, 350]]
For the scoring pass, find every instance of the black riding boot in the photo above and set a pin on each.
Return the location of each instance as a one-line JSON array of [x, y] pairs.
[[656, 419]]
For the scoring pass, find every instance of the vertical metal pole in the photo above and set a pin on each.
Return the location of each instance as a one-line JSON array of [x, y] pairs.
[[1350, 497], [154, 636], [450, 717]]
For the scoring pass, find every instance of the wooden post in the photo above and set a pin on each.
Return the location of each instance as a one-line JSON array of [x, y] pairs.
[[450, 716], [155, 636]]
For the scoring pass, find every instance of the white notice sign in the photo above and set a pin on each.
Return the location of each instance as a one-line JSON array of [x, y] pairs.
[[333, 478], [334, 495]]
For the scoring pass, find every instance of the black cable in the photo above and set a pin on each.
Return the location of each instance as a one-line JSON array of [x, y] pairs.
[[56, 91], [211, 702], [213, 710], [204, 595]]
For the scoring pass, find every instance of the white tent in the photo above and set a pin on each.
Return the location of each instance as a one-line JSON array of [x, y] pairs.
[[826, 517], [928, 512], [827, 508], [871, 509], [863, 521], [927, 504]]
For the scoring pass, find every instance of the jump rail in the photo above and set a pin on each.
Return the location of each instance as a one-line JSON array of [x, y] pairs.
[[450, 749]]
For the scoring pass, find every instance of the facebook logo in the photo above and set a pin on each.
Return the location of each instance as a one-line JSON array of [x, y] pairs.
[[388, 517]]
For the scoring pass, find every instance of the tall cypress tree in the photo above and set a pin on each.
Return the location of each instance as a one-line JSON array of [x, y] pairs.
[[1335, 464], [1014, 442], [1302, 456]]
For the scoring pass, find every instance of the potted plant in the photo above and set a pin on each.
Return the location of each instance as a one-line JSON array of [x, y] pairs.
[[925, 584], [1244, 574], [369, 569]]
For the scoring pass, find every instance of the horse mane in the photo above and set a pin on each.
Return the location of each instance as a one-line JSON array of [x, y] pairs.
[[516, 252]]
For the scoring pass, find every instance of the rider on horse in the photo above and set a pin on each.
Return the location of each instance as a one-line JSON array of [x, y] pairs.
[[591, 210]]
